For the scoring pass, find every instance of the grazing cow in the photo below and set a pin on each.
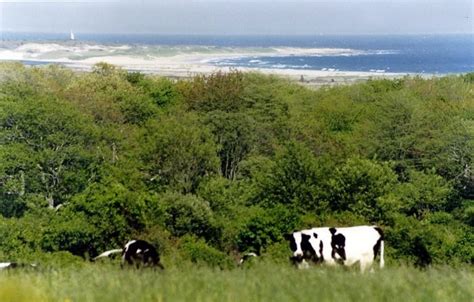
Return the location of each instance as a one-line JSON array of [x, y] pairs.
[[345, 246], [136, 252], [13, 265], [247, 257]]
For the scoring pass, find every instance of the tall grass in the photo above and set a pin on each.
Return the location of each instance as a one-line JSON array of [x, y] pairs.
[[262, 282]]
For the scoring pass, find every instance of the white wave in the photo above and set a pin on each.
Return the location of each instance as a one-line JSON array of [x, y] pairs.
[[257, 62], [147, 57], [208, 54], [279, 66]]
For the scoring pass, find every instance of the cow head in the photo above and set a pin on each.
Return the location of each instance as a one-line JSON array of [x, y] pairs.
[[304, 245], [295, 246]]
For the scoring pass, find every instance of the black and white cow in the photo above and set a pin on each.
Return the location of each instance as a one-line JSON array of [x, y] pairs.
[[13, 265], [247, 258], [331, 246], [138, 253]]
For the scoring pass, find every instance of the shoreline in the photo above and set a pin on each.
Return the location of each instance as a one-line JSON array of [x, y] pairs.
[[188, 61], [309, 78]]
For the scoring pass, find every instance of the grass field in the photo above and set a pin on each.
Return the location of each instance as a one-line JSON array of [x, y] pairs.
[[262, 282]]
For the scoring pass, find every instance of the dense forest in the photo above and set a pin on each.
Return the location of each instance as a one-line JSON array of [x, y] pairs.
[[214, 166]]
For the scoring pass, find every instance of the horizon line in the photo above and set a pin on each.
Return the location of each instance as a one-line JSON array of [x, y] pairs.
[[233, 34]]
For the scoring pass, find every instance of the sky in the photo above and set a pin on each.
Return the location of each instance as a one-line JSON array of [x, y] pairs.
[[220, 17]]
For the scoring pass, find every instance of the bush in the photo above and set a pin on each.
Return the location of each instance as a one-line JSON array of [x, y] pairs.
[[423, 193], [187, 214], [264, 227], [198, 251], [20, 237], [179, 152], [358, 184], [72, 233], [294, 181], [112, 210]]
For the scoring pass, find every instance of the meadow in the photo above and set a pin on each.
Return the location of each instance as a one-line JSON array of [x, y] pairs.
[[261, 282]]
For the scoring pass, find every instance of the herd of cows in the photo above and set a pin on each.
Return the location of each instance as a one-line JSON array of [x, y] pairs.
[[331, 246]]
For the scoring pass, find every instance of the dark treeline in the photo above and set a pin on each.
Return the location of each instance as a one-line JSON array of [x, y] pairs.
[[227, 163]]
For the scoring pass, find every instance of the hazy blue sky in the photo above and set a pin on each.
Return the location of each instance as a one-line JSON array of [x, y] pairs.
[[239, 16]]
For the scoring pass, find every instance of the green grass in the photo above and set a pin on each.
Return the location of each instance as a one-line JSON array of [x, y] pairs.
[[263, 282]]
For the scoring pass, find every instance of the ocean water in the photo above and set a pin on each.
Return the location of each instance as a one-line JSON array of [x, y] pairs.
[[430, 54]]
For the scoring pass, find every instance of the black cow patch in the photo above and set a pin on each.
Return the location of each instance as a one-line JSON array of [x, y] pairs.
[[308, 250], [378, 243], [292, 241], [321, 251], [338, 243]]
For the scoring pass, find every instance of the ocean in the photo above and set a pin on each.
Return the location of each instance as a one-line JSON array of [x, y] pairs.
[[430, 54]]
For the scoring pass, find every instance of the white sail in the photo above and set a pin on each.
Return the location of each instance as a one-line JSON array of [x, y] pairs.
[[72, 36]]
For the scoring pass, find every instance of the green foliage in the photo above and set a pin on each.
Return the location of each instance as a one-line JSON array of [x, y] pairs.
[[218, 91], [222, 194], [198, 251], [229, 162], [234, 132], [105, 69], [468, 215], [161, 90], [179, 152], [469, 77], [423, 193], [187, 214], [18, 238], [69, 232], [242, 118], [135, 77], [358, 184], [296, 180], [111, 210], [47, 149], [264, 227], [437, 239]]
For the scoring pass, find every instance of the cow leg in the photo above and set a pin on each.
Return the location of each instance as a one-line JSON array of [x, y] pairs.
[[303, 264], [365, 263], [126, 259]]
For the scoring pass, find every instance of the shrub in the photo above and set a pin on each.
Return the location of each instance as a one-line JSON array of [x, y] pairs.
[[112, 210], [178, 153], [265, 227], [70, 232], [358, 184], [198, 251], [187, 214], [293, 181]]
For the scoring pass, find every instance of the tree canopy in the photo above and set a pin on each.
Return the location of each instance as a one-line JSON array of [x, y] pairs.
[[229, 162]]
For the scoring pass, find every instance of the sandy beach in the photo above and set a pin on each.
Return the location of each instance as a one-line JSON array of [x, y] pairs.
[[183, 61]]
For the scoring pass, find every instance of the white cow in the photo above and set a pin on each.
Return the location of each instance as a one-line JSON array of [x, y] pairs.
[[331, 246]]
